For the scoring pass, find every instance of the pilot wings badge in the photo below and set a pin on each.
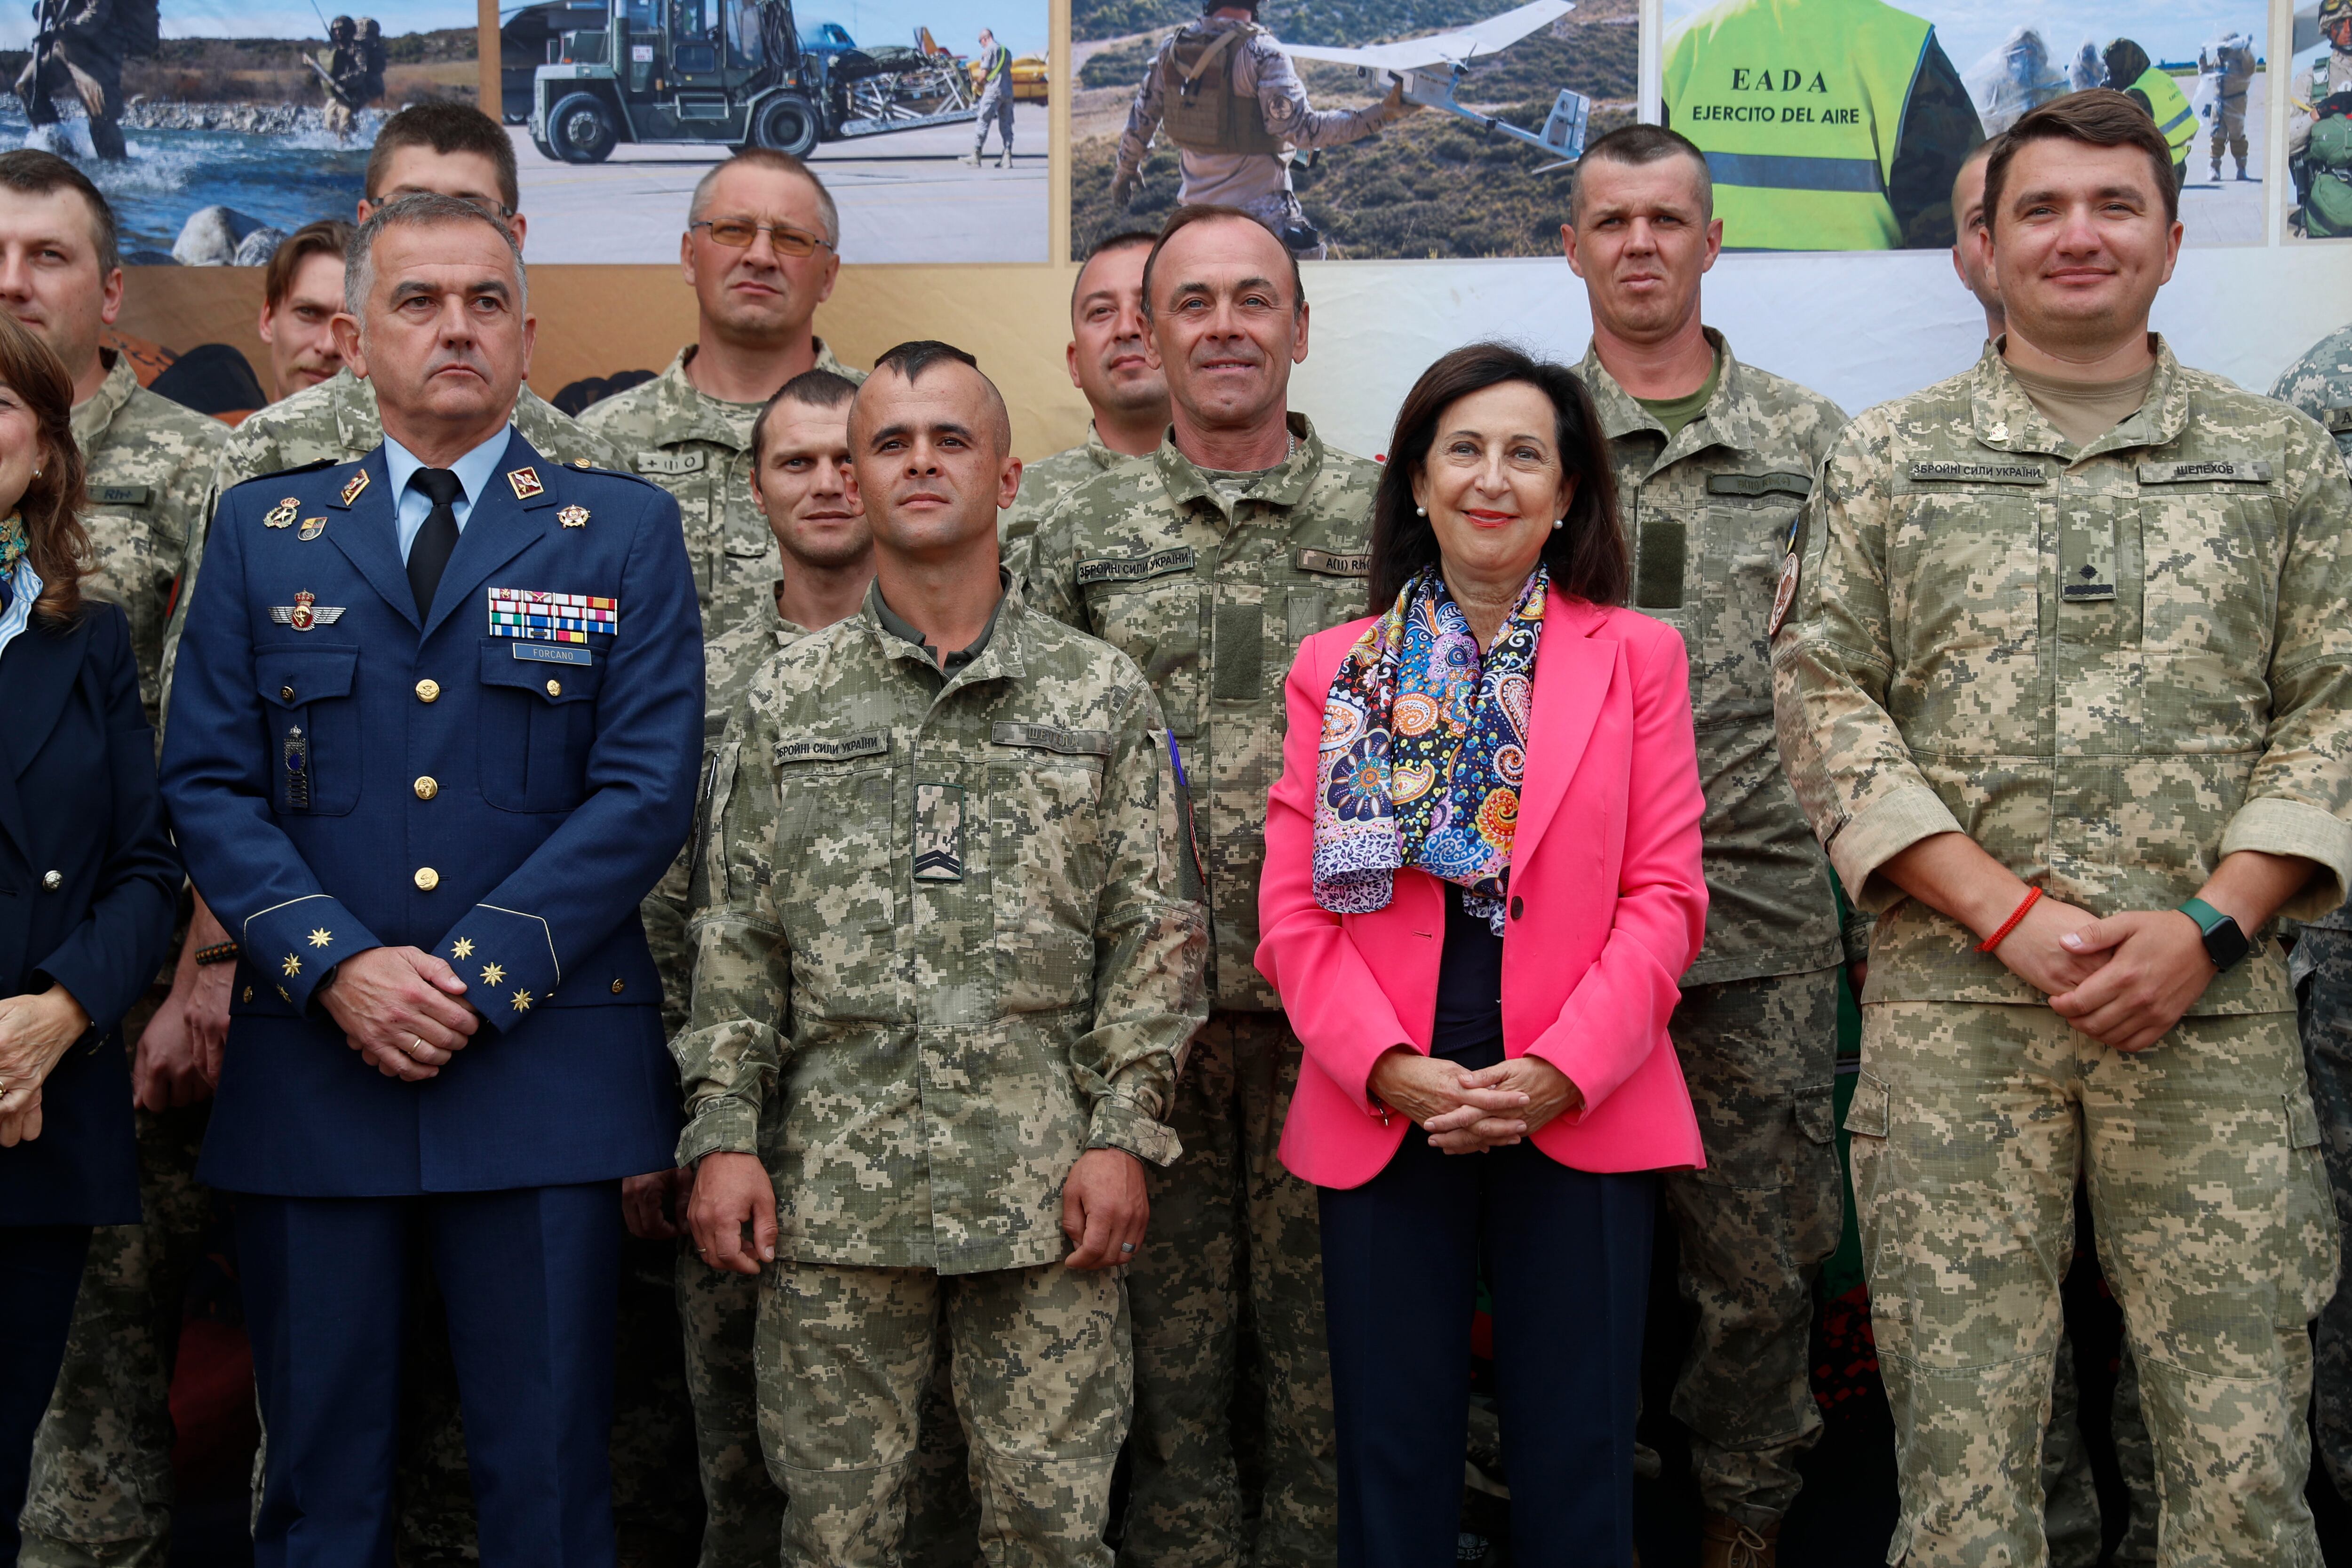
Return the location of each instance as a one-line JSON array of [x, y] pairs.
[[306, 612]]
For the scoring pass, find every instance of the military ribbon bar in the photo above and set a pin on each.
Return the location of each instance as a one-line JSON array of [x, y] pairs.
[[552, 618]]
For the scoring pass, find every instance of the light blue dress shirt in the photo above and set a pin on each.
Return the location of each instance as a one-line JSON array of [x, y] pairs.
[[25, 584], [473, 471]]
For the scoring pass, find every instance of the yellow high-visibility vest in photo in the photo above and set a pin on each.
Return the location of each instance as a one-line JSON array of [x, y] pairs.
[[1797, 105], [2174, 115]]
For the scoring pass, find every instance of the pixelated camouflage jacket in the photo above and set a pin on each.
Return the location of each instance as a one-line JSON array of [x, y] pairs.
[[730, 660], [1212, 598], [336, 422], [2110, 665], [2320, 384], [699, 448], [940, 941], [1045, 482], [1708, 516], [150, 465]]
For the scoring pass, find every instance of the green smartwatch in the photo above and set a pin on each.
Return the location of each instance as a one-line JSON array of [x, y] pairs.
[[2225, 944]]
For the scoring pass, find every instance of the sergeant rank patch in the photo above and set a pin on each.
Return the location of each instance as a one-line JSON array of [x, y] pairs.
[[939, 832]]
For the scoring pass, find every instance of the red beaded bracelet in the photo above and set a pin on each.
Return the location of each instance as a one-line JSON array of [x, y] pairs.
[[2033, 894]]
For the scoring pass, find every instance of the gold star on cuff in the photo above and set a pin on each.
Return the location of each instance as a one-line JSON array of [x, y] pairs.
[[321, 936], [522, 1001], [462, 948], [494, 975], [292, 965]]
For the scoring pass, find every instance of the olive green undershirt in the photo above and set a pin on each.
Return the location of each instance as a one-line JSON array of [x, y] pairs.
[[1673, 413], [2085, 410]]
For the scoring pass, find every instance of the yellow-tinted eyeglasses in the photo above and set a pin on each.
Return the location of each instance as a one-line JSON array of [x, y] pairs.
[[738, 232]]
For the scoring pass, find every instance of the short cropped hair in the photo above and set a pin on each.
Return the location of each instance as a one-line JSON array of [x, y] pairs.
[[913, 358], [1634, 145], [33, 173], [444, 128], [1185, 216], [783, 163], [2096, 117], [810, 389], [327, 236], [1126, 240], [422, 210]]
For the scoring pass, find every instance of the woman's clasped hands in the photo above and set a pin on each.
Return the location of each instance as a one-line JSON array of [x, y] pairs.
[[1469, 1112], [36, 1031]]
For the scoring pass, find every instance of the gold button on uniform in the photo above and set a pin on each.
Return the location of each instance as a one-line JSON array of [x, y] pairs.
[[555, 689], [428, 691], [427, 878], [286, 694], [427, 787], [52, 880], [248, 992], [616, 988]]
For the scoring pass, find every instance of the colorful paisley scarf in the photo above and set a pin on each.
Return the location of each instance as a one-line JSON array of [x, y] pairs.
[[1424, 745]]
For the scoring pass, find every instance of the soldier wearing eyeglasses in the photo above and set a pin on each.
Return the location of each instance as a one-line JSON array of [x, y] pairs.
[[760, 251]]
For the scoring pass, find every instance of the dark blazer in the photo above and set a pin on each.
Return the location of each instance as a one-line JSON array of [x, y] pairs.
[[78, 806], [343, 777]]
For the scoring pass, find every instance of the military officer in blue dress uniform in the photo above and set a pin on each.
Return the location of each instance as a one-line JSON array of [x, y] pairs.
[[434, 735]]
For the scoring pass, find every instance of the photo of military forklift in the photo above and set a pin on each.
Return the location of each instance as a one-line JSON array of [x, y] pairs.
[[926, 119]]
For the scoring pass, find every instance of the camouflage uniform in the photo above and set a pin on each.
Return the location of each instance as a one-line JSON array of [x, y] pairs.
[[2320, 384], [1707, 514], [942, 947], [1210, 594], [2111, 666], [1045, 482], [699, 448], [101, 1482]]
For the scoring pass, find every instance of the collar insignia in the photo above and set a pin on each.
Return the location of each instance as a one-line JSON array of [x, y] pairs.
[[525, 482], [282, 514], [572, 516], [353, 486]]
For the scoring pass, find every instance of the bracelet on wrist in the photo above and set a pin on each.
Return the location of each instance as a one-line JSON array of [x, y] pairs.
[[218, 952], [2033, 897]]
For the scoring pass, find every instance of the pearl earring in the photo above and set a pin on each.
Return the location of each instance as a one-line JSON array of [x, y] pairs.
[[1421, 511], [1559, 523]]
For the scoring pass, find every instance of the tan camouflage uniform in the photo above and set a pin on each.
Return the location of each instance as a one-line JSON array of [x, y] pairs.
[[1707, 514], [101, 1484], [942, 947], [1212, 596], [699, 448], [2111, 666], [2320, 384], [1045, 482]]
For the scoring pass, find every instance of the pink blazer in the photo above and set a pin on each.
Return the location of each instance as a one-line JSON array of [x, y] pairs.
[[1608, 907]]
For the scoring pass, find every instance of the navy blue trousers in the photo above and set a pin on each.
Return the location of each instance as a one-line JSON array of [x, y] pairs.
[[1568, 1264], [529, 1279], [40, 1274]]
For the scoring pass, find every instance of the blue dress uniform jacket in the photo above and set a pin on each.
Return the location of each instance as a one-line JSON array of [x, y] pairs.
[[342, 777], [87, 881]]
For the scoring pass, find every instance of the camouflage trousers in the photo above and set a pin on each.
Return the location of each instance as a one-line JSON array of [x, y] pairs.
[[101, 1493], [845, 1358], [2323, 966], [2213, 1225], [743, 1508], [1234, 1239], [1755, 1226]]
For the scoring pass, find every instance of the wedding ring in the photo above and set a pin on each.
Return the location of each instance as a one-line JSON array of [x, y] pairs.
[[416, 1044], [1127, 1247]]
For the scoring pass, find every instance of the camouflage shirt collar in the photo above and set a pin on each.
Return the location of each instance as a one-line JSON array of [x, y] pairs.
[[2006, 420], [683, 412], [1729, 419], [992, 657], [1102, 457], [1284, 484], [93, 413]]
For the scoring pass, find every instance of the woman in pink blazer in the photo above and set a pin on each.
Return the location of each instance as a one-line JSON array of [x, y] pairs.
[[1482, 886]]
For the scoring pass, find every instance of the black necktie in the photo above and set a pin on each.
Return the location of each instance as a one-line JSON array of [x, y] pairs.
[[429, 553]]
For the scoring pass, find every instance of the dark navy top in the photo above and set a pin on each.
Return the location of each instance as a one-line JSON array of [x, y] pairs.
[[1469, 1026]]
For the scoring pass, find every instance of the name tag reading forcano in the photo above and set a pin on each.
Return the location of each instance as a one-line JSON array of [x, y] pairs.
[[1331, 563], [1981, 473], [1052, 738], [669, 462], [1136, 568], [874, 743], [2243, 471], [1797, 485]]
